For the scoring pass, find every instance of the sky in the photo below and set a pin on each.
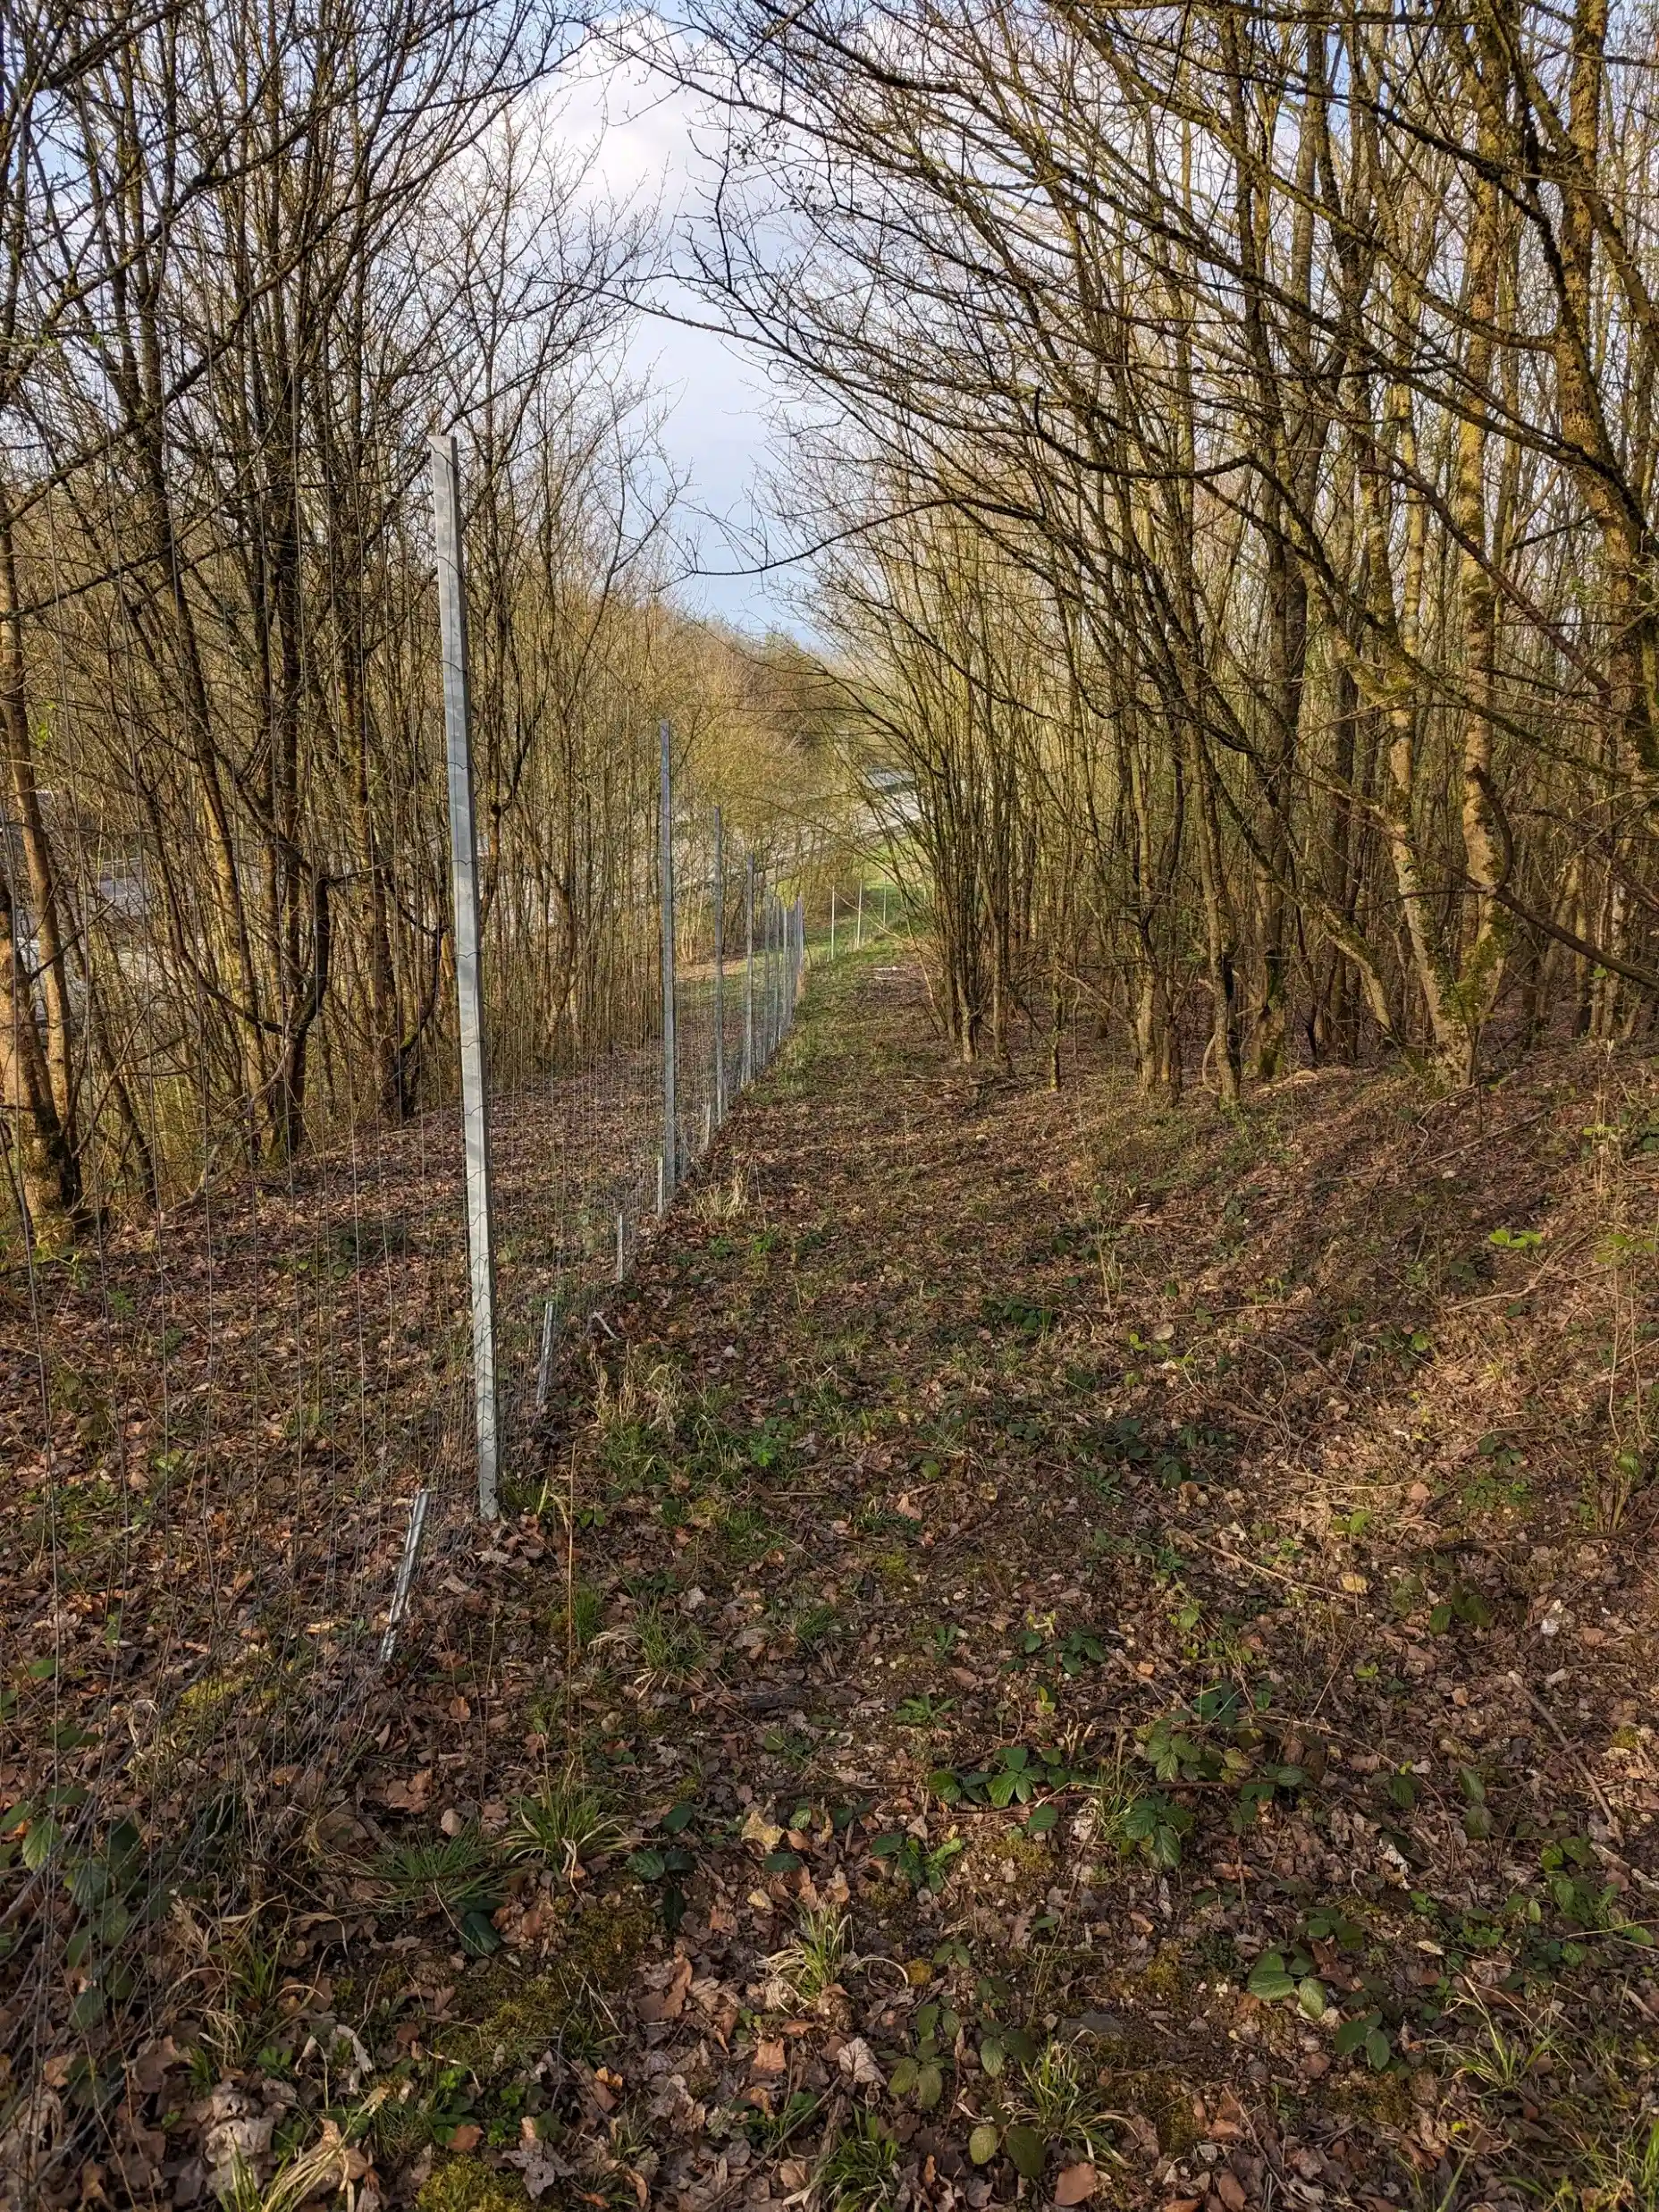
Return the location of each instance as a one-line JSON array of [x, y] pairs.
[[643, 139]]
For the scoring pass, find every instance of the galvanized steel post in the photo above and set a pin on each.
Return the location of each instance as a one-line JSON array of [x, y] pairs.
[[665, 887], [748, 969], [446, 501], [719, 973]]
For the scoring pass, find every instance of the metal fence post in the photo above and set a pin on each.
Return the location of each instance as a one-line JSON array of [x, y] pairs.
[[832, 922], [720, 972], [665, 887], [446, 501], [777, 973], [770, 973], [748, 969], [858, 940]]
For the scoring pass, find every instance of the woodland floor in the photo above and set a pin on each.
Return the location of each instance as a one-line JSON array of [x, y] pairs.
[[1109, 1657]]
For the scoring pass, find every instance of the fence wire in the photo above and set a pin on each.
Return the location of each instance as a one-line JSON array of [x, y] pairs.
[[235, 1365]]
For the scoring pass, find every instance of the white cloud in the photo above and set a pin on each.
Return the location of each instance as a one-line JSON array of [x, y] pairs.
[[638, 136]]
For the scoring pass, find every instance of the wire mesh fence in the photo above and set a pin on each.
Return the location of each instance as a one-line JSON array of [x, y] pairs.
[[237, 1359]]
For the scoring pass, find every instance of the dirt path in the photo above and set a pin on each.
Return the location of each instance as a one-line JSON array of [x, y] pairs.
[[1104, 1660]]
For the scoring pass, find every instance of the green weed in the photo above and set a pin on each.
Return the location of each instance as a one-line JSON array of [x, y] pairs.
[[562, 1823], [451, 1875], [809, 1965], [861, 2173]]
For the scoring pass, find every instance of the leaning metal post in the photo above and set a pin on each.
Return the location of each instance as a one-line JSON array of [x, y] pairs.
[[665, 883], [748, 969], [446, 500], [719, 973]]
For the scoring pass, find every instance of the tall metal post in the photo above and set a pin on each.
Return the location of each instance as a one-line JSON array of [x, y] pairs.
[[858, 940], [665, 887], [780, 959], [719, 973], [446, 505], [770, 968], [748, 968], [832, 922]]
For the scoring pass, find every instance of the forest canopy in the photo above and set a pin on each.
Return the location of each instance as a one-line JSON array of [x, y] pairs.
[[1232, 433], [252, 258]]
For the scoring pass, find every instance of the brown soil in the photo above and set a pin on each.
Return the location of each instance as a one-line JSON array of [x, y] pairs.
[[1166, 1597]]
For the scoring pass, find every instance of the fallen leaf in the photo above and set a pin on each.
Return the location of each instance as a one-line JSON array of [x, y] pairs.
[[758, 1829], [150, 2069], [769, 2057], [539, 2163], [857, 2061], [1076, 2183], [668, 2002], [467, 2137], [595, 2086], [1229, 2189]]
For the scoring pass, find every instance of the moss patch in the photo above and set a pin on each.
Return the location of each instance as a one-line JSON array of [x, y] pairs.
[[467, 2185], [564, 2001], [1384, 2099]]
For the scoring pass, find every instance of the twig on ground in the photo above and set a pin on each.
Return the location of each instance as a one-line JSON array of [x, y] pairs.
[[1555, 1729]]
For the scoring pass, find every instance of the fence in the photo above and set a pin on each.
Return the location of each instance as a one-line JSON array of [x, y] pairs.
[[304, 1328]]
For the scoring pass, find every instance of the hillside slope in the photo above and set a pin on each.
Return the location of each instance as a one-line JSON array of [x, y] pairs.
[[1116, 1646]]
